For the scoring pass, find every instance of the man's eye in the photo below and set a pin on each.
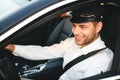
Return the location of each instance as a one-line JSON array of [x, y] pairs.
[[83, 27]]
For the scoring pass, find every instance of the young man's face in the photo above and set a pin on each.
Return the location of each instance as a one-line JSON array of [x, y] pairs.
[[86, 33]]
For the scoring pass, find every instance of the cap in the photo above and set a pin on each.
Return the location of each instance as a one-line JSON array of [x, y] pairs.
[[93, 13]]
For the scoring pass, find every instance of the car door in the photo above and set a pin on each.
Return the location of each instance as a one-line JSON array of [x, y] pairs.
[[34, 29]]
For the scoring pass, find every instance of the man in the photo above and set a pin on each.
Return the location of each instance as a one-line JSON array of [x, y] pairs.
[[86, 27]]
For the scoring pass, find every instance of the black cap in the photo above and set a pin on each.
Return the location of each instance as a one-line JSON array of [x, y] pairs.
[[91, 13]]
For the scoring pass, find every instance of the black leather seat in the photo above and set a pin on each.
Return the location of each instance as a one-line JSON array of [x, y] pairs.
[[62, 31]]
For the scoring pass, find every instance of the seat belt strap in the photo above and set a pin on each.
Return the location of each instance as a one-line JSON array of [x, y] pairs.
[[80, 58]]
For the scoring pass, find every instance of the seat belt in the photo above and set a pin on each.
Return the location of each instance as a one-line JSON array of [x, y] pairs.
[[81, 58]]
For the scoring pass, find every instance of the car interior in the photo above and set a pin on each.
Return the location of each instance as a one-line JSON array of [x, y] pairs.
[[52, 32]]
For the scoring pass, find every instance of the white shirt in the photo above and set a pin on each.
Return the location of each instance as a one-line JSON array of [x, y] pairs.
[[101, 62]]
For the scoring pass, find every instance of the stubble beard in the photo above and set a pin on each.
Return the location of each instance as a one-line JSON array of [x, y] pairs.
[[84, 41]]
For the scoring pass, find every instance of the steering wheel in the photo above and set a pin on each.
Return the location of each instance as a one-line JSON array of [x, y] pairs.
[[7, 70]]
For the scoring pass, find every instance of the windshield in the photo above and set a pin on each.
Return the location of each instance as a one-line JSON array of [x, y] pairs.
[[8, 7]]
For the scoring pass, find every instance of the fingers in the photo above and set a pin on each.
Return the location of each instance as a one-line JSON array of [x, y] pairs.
[[10, 47]]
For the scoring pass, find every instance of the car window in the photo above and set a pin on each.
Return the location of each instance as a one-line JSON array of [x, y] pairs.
[[12, 17], [8, 7]]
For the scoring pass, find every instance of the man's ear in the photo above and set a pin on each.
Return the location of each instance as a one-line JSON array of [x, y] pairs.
[[99, 26]]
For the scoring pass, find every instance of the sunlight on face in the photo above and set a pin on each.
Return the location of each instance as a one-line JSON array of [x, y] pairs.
[[85, 33]]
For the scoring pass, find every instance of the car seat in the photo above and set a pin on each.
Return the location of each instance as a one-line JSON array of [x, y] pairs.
[[62, 31]]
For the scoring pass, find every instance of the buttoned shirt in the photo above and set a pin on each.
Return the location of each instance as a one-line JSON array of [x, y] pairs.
[[101, 62]]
